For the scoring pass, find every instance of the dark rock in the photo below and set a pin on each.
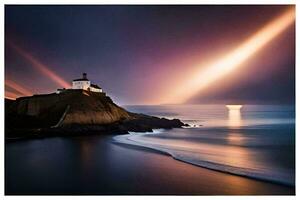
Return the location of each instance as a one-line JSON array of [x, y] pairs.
[[75, 112]]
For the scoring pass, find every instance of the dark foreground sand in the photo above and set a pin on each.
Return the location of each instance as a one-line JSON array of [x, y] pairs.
[[96, 165]]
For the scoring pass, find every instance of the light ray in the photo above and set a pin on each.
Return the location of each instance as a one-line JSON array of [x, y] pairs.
[[10, 95], [231, 61], [10, 98], [39, 66], [18, 87]]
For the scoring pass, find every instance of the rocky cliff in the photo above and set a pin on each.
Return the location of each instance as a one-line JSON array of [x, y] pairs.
[[75, 111]]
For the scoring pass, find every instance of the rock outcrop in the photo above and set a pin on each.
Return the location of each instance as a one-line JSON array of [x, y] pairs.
[[75, 112]]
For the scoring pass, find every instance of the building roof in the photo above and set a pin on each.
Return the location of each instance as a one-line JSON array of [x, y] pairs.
[[81, 79], [95, 86]]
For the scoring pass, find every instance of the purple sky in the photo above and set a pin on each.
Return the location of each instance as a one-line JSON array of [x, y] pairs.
[[137, 53]]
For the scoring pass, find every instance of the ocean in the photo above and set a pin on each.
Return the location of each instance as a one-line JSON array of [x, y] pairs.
[[257, 141]]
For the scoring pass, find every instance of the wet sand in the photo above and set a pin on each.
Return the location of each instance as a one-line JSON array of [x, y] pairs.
[[96, 165]]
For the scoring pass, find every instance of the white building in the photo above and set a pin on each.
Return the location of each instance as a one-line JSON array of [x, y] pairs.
[[81, 83], [95, 88], [85, 84]]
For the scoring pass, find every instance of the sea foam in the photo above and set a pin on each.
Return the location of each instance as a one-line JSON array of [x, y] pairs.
[[190, 153]]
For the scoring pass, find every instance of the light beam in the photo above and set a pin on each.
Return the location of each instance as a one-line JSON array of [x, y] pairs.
[[39, 66], [10, 95], [17, 87], [230, 61]]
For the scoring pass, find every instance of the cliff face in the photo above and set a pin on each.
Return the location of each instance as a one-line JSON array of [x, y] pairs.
[[74, 106], [77, 108]]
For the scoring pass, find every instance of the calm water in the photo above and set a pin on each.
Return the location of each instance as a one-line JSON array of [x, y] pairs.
[[258, 141]]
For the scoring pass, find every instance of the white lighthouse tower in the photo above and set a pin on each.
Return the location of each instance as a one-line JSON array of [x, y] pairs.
[[85, 84], [81, 83]]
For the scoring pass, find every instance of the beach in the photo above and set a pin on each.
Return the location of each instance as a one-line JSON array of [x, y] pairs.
[[95, 165]]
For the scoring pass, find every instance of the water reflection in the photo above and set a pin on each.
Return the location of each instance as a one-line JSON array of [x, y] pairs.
[[234, 137], [85, 151], [234, 121]]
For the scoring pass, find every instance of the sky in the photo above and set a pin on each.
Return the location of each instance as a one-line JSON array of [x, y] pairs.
[[142, 54]]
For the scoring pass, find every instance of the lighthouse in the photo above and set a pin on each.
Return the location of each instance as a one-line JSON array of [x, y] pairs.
[[85, 84]]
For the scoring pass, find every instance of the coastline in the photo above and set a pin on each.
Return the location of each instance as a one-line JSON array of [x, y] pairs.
[[215, 177], [100, 166], [129, 139]]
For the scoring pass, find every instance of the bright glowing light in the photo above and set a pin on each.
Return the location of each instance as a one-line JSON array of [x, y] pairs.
[[17, 87], [234, 107], [39, 66], [234, 115], [232, 60]]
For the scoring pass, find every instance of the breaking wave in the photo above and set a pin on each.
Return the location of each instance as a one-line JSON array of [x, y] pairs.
[[241, 161]]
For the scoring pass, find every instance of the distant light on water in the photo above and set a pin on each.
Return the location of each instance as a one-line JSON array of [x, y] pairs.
[[234, 107], [234, 115]]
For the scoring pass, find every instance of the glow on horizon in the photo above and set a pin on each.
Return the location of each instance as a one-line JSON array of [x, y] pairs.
[[11, 95], [234, 107], [234, 116], [231, 61], [20, 89], [39, 66]]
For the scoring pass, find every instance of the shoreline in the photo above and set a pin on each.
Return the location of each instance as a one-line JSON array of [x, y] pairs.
[[131, 142], [102, 167], [162, 153]]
